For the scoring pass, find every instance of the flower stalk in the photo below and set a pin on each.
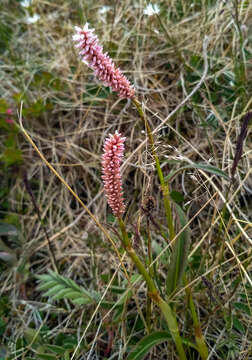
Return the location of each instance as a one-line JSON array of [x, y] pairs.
[[153, 292], [164, 185], [111, 159]]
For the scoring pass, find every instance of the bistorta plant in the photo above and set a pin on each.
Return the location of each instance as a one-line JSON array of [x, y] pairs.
[[105, 70], [113, 153]]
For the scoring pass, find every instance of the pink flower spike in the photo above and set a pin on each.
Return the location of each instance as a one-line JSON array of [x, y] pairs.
[[92, 54], [9, 111], [111, 160]]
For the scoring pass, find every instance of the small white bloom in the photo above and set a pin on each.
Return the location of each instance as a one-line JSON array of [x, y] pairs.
[[32, 19], [104, 9], [151, 9], [26, 3]]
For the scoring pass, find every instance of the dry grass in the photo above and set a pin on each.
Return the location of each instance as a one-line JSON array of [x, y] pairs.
[[68, 114]]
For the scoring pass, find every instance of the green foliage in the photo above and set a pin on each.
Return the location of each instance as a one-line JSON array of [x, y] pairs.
[[177, 196], [38, 344], [141, 349], [204, 167], [2, 326], [95, 94], [146, 343], [59, 287], [10, 154], [5, 36], [37, 108], [179, 255]]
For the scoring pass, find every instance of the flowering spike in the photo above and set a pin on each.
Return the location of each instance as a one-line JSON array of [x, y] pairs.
[[111, 159], [92, 54]]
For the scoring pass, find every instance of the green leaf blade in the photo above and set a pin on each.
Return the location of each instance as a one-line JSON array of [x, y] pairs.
[[179, 255], [147, 342]]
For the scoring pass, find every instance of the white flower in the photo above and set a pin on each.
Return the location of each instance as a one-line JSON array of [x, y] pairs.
[[151, 9], [26, 3], [104, 9], [32, 19]]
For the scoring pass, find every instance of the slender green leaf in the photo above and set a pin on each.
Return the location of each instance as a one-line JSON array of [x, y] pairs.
[[179, 255], [147, 342], [61, 294], [55, 348], [82, 301], [54, 290], [238, 325], [46, 356], [243, 307], [204, 167], [46, 285]]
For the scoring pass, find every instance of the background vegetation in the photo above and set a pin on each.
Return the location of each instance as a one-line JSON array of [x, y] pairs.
[[67, 113]]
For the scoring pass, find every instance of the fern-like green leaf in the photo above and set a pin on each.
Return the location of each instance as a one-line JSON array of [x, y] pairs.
[[59, 287]]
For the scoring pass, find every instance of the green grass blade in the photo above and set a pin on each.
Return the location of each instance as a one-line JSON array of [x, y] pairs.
[[204, 167], [179, 255], [147, 342]]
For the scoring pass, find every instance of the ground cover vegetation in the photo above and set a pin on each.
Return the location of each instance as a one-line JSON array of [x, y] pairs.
[[167, 274]]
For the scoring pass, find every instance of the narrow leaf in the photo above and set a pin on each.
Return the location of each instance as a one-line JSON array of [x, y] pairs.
[[82, 301], [146, 343], [62, 294], [47, 285], [53, 290], [55, 348], [179, 255], [46, 356], [204, 167]]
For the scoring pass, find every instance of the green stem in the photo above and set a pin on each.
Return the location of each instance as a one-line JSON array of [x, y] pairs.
[[173, 326], [164, 185], [150, 258], [150, 267], [132, 254], [153, 292], [200, 341]]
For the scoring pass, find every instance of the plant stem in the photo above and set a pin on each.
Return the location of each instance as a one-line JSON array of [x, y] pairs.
[[132, 254], [153, 292], [200, 341], [164, 185], [173, 326], [150, 267]]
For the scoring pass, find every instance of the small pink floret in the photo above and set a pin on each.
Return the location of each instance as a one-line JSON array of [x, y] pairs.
[[92, 54], [111, 160], [9, 111]]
